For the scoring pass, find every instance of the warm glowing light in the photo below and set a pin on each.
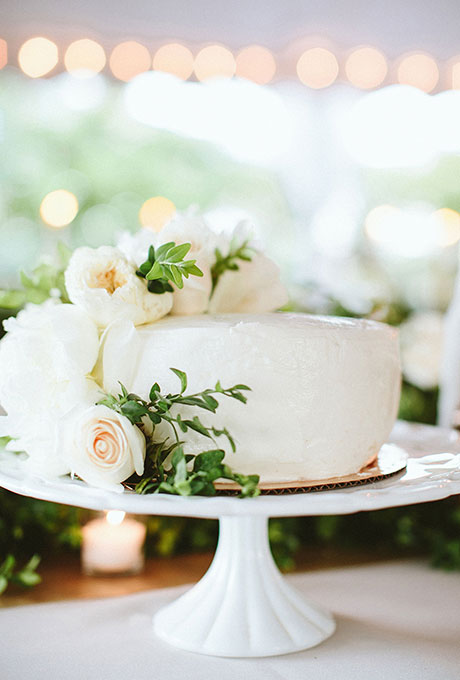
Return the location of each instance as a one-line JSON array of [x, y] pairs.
[[448, 222], [413, 231], [175, 59], [256, 63], [419, 70], [37, 57], [84, 58], [366, 67], [3, 53], [59, 208], [155, 212], [317, 68], [128, 59], [455, 74], [214, 61], [115, 517], [377, 219]]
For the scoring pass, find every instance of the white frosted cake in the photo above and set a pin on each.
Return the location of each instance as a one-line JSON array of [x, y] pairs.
[[324, 396]]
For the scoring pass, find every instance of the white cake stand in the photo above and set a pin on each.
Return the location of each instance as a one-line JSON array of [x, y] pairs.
[[243, 607]]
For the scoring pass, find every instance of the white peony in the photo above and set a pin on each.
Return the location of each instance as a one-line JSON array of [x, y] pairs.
[[421, 339], [254, 288], [104, 283], [190, 227], [45, 360], [102, 447]]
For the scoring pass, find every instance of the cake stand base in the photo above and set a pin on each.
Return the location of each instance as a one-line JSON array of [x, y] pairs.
[[243, 607]]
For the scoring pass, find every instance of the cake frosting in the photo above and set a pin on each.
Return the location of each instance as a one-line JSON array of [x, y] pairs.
[[324, 390]]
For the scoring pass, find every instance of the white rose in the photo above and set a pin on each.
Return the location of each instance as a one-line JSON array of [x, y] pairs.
[[104, 283], [254, 288], [102, 447], [136, 246], [421, 339], [193, 298], [45, 359]]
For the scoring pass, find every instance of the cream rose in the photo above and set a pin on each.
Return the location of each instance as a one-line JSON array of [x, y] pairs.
[[104, 283], [254, 288], [102, 447]]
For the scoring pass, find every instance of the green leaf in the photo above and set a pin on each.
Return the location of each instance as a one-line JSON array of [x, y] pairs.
[[178, 253], [156, 272], [12, 299], [3, 584], [208, 460], [134, 411], [182, 377]]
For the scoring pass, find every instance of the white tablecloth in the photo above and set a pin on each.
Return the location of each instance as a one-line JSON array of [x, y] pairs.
[[395, 621]]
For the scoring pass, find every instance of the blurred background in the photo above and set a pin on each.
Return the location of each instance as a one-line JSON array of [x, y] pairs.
[[333, 126]]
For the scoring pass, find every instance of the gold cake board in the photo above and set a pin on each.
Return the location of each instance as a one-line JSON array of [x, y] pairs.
[[390, 460]]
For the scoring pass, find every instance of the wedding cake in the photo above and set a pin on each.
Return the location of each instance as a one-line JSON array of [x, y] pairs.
[[166, 374], [324, 390]]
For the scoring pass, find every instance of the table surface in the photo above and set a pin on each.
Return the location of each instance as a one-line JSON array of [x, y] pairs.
[[395, 619], [62, 578]]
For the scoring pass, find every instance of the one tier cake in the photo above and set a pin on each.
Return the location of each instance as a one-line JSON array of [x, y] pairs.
[[324, 391]]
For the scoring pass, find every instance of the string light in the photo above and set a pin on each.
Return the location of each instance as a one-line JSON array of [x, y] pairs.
[[366, 67], [317, 68], [454, 68], [38, 56], [128, 59], [214, 61], [59, 208], [84, 58], [419, 70], [155, 212], [3, 53], [175, 59], [256, 63], [448, 222]]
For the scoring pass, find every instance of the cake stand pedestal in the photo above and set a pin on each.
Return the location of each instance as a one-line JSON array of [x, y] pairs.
[[243, 607]]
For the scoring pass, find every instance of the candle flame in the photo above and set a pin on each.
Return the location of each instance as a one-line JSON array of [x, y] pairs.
[[115, 517]]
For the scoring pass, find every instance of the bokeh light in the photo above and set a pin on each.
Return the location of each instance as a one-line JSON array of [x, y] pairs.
[[414, 231], [419, 70], [448, 222], [317, 68], [366, 67], [3, 53], [256, 63], [155, 212], [38, 56], [455, 73], [175, 59], [59, 208], [84, 58], [214, 61], [128, 59]]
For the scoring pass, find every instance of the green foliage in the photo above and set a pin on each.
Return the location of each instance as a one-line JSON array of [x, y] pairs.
[[229, 262], [166, 264], [26, 576], [37, 287], [168, 469]]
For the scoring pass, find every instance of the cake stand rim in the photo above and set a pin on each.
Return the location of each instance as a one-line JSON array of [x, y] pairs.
[[429, 477]]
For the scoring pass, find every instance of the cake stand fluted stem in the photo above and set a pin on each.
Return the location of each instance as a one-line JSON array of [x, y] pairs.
[[243, 606]]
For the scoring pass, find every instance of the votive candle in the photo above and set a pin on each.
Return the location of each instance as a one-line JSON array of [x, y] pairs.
[[113, 544]]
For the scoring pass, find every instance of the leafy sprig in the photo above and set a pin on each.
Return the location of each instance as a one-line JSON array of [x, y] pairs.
[[38, 286], [167, 467], [27, 576], [166, 264], [229, 262]]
